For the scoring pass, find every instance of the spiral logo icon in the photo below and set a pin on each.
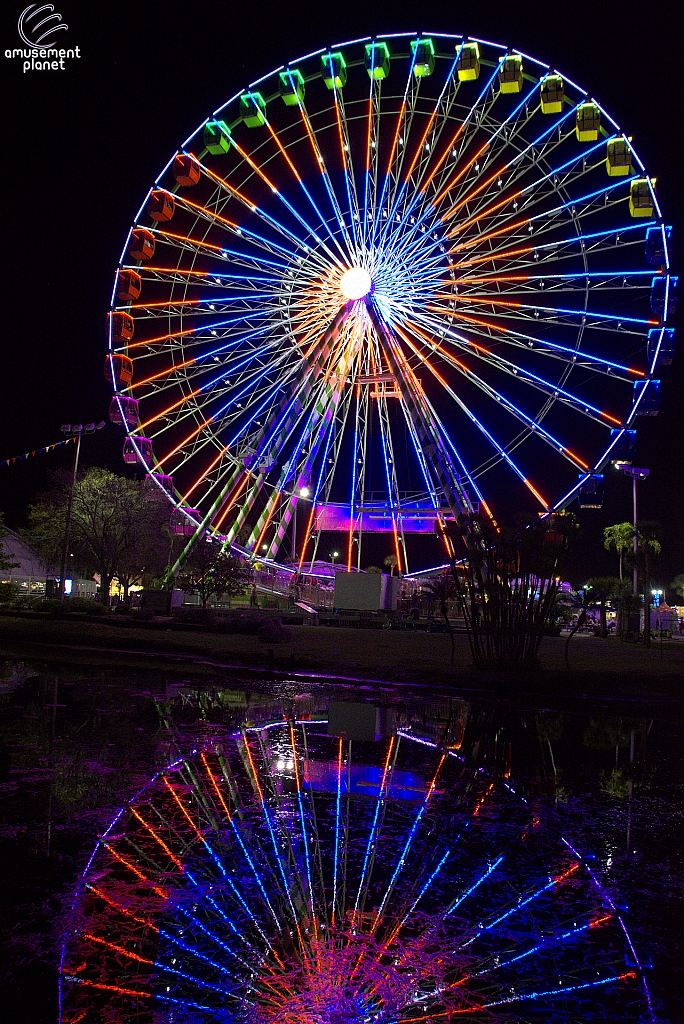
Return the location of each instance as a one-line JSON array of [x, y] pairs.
[[37, 25]]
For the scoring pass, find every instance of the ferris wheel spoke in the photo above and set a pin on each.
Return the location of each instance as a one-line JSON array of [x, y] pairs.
[[534, 151], [320, 161], [531, 424], [551, 314], [347, 169], [192, 335], [515, 337], [435, 126], [201, 247], [289, 206], [500, 449], [388, 175], [584, 205], [566, 248], [526, 376], [428, 425], [247, 204], [525, 197]]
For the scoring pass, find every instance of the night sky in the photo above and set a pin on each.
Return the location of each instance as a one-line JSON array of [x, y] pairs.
[[83, 145]]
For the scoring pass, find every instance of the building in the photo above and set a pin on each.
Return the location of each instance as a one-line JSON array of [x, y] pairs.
[[29, 573]]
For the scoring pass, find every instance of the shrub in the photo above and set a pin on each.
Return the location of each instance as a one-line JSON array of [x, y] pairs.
[[194, 615], [84, 604], [272, 631], [144, 614], [8, 592]]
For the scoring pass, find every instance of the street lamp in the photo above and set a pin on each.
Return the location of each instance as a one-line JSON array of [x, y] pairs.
[[304, 492], [76, 430], [636, 473], [334, 555]]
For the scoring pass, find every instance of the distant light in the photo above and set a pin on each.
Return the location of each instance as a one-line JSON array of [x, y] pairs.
[[304, 492], [280, 765], [264, 547], [355, 283]]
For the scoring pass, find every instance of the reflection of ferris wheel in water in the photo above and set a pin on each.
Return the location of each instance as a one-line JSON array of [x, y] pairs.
[[284, 874], [379, 279]]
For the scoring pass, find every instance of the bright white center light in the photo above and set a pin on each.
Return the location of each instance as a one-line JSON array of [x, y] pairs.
[[355, 283]]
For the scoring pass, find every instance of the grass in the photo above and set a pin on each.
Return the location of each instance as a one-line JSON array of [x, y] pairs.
[[596, 665]]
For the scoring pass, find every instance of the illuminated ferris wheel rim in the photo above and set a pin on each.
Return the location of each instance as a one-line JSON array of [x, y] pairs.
[[343, 265]]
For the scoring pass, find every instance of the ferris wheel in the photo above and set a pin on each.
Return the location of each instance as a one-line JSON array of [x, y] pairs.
[[395, 280]]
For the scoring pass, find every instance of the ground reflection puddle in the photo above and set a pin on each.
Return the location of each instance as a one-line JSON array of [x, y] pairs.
[[294, 852]]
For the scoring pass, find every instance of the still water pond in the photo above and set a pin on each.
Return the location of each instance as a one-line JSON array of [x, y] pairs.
[[305, 852]]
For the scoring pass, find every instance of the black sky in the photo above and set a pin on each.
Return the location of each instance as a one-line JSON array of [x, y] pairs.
[[82, 146]]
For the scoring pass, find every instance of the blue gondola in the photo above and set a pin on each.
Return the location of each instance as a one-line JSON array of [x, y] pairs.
[[662, 342], [655, 244], [660, 287], [623, 451], [591, 490], [649, 404]]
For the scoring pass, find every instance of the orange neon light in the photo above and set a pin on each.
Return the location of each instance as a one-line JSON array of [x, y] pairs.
[[115, 988], [255, 167], [480, 188], [170, 408], [159, 840], [221, 181], [131, 867], [231, 502], [203, 475], [162, 373], [284, 152], [473, 220], [118, 949]]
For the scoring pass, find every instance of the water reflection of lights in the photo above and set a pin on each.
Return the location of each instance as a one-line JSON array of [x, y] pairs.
[[279, 874]]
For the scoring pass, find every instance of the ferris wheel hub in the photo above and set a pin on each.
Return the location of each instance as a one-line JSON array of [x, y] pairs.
[[355, 283]]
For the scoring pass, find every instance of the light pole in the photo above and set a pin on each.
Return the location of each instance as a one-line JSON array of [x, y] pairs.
[[636, 474], [334, 555], [303, 493], [76, 430]]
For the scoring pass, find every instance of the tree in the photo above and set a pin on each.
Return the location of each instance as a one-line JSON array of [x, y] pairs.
[[146, 552], [507, 580], [620, 537], [678, 585], [441, 588], [391, 563], [210, 571], [374, 569], [105, 527], [603, 588]]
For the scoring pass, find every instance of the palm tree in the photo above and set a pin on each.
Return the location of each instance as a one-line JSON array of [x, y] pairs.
[[391, 563], [648, 545], [619, 536], [678, 585]]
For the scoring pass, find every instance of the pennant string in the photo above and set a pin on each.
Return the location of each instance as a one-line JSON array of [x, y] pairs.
[[36, 451]]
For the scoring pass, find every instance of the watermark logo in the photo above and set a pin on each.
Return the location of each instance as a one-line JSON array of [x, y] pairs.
[[37, 25]]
